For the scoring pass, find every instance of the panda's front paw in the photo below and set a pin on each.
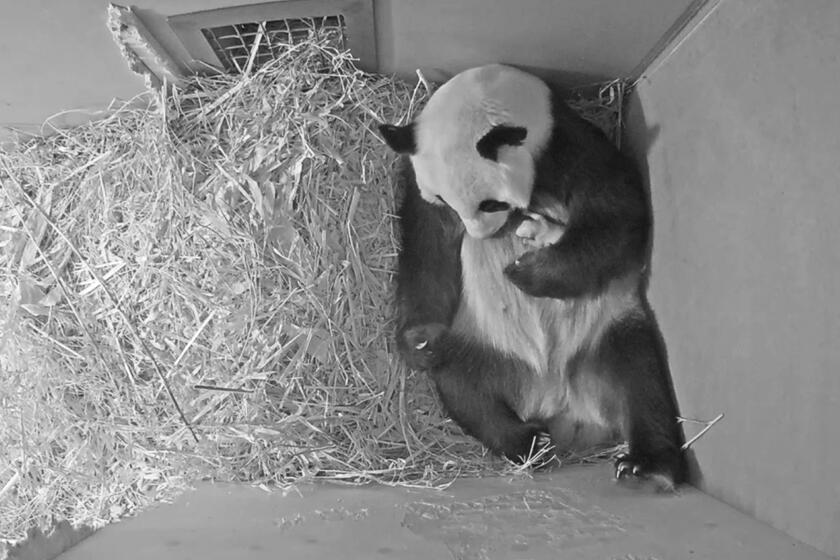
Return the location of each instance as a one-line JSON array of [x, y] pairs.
[[530, 274], [421, 345]]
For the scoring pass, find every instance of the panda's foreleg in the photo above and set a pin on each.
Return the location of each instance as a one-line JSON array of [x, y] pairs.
[[428, 287], [581, 263], [633, 381], [607, 224], [479, 389]]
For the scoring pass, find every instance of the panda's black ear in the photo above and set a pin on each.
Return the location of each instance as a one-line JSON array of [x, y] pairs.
[[401, 139], [500, 135]]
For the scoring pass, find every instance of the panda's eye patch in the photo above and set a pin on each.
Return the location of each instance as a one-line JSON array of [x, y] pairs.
[[490, 206]]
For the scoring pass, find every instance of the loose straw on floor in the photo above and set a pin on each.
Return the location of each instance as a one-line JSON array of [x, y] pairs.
[[216, 265]]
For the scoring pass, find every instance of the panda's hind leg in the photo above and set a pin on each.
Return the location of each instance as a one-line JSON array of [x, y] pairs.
[[630, 376], [479, 389]]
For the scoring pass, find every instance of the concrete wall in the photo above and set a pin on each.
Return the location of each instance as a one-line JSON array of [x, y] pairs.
[[588, 40], [59, 55], [740, 134]]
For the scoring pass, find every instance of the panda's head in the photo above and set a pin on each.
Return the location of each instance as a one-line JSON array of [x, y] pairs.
[[474, 144]]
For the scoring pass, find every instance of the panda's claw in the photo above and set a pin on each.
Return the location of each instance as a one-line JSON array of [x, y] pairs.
[[420, 345], [628, 468], [621, 470]]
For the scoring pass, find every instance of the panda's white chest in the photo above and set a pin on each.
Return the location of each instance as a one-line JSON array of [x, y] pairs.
[[543, 333]]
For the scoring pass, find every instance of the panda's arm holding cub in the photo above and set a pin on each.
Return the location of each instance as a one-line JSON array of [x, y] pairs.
[[606, 234], [429, 273]]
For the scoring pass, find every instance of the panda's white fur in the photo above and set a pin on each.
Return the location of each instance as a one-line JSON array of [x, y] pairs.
[[457, 116], [544, 333]]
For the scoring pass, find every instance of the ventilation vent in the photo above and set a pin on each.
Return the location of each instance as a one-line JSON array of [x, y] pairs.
[[225, 37], [233, 43]]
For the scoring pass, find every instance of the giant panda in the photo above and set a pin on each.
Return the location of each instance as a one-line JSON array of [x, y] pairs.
[[520, 278]]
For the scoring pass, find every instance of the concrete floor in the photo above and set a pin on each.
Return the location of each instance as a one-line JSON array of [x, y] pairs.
[[578, 512]]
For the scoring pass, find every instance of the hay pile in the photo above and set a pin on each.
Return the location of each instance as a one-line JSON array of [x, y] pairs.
[[202, 290]]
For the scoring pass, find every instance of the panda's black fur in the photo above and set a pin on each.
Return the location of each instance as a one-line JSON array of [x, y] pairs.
[[618, 374], [609, 219]]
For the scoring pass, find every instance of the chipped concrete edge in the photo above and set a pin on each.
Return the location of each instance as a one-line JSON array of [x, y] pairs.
[[142, 52], [41, 545]]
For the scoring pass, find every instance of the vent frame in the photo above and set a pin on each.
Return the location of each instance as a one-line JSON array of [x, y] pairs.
[[358, 30], [233, 44]]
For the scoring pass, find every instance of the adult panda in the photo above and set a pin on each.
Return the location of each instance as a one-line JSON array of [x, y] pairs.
[[520, 277]]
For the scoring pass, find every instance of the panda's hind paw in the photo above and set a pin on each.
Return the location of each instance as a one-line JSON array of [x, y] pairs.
[[640, 472]]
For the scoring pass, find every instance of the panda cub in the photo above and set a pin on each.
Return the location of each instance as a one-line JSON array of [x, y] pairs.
[[520, 277]]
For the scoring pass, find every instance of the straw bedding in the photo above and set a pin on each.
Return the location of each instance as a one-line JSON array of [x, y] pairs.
[[201, 289]]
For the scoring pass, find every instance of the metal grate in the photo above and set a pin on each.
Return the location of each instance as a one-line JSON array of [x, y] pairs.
[[233, 43]]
